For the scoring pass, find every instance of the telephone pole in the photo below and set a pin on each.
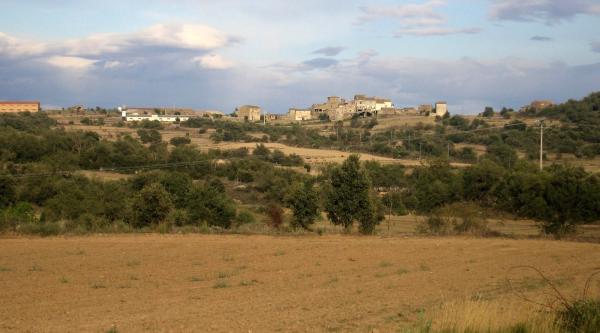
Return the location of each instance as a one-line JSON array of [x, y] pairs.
[[541, 145]]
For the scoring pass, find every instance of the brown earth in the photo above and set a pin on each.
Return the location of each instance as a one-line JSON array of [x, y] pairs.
[[218, 283]]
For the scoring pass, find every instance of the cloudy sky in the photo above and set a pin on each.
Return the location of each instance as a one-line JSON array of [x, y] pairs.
[[282, 53]]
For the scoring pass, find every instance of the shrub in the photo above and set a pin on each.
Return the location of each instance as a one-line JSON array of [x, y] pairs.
[[456, 218], [304, 202], [275, 213], [583, 316], [20, 213], [152, 205], [245, 217], [180, 141]]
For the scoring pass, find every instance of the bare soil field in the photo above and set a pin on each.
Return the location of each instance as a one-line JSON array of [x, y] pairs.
[[228, 283]]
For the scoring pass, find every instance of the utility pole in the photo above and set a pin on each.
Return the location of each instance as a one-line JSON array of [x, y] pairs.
[[448, 151], [541, 145]]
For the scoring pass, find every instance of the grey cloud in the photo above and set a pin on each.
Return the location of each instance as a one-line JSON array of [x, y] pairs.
[[548, 11], [540, 39], [435, 31], [330, 51], [419, 20], [595, 46], [319, 63]]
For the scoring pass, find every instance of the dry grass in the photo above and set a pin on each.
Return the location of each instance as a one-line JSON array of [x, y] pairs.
[[492, 316]]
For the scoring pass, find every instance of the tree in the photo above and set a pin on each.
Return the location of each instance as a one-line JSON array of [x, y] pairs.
[[207, 204], [348, 199], [304, 202], [567, 194], [149, 135], [150, 206], [261, 151], [502, 154], [7, 191], [488, 112]]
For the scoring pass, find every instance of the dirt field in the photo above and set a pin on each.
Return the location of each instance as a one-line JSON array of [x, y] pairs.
[[185, 283]]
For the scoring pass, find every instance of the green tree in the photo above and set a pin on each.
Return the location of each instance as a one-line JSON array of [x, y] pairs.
[[149, 135], [209, 205], [304, 202], [7, 191], [150, 206], [488, 112], [348, 199]]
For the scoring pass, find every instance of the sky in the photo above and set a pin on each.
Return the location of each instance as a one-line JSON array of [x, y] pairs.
[[279, 54]]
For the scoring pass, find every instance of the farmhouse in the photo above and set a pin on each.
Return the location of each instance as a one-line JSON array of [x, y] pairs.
[[249, 112], [541, 104], [154, 117], [19, 106], [295, 114], [441, 108]]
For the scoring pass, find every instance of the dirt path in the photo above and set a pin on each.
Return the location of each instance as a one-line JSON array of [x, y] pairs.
[[195, 283]]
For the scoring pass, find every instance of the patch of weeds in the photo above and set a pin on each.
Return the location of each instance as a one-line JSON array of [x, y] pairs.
[[133, 278], [332, 280], [223, 275], [35, 268], [63, 280], [317, 264], [424, 268], [196, 279], [220, 284], [77, 253], [124, 286], [241, 268], [112, 330], [228, 258], [98, 286], [279, 253], [246, 283], [196, 264], [351, 259], [402, 271], [384, 264], [133, 263], [380, 275], [4, 269]]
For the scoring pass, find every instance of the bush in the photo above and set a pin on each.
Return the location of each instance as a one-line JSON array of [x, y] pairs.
[[180, 141], [583, 316], [21, 213], [151, 206], [457, 218], [40, 228], [245, 217], [275, 214]]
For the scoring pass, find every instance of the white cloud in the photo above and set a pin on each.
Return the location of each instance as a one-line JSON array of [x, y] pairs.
[[420, 20], [420, 11], [71, 63], [13, 47], [213, 61]]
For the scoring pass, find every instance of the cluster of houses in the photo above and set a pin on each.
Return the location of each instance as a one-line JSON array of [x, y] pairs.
[[336, 108]]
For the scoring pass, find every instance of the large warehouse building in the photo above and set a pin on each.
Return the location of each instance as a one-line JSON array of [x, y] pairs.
[[19, 106]]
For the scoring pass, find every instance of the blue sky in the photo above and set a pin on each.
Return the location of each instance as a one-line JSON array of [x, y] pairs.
[[278, 54]]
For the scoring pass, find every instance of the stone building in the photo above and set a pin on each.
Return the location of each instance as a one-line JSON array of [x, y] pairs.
[[19, 106], [441, 108], [295, 114], [249, 112], [541, 104]]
